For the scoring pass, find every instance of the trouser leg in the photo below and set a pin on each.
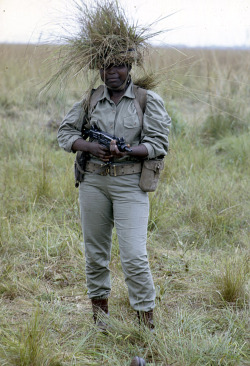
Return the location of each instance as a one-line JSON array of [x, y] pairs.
[[97, 224], [131, 208]]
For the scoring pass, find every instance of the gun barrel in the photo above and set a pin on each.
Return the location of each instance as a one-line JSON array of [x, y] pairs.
[[122, 146]]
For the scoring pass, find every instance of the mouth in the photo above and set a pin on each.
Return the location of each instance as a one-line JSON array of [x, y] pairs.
[[112, 79]]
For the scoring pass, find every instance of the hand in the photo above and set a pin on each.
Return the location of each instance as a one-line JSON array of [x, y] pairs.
[[115, 151], [100, 151]]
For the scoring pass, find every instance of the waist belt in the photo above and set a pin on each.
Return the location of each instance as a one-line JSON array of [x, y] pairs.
[[113, 169]]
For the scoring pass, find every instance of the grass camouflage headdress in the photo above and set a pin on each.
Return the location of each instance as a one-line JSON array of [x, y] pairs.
[[105, 37]]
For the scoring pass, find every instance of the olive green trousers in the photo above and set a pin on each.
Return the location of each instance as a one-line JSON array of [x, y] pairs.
[[105, 202]]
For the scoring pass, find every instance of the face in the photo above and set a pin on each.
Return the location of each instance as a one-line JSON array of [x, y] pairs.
[[114, 75]]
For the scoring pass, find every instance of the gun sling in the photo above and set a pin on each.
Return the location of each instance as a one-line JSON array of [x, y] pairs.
[[113, 169]]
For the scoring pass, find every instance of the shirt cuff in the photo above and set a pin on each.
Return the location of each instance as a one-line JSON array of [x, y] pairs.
[[150, 150], [70, 142]]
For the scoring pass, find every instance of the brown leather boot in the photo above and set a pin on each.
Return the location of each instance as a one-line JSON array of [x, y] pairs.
[[146, 317], [100, 308]]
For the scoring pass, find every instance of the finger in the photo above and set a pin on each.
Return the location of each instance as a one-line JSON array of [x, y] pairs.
[[112, 144], [105, 154]]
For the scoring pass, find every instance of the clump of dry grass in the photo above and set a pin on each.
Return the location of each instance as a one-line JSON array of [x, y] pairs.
[[105, 36], [147, 81]]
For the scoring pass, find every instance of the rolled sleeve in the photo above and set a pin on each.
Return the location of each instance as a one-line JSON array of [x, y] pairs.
[[71, 127], [156, 125]]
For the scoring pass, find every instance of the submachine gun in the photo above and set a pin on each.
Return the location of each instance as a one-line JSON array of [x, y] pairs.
[[105, 138]]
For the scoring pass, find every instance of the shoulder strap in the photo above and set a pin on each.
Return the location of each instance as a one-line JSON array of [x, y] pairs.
[[94, 98], [91, 103], [140, 101], [141, 97]]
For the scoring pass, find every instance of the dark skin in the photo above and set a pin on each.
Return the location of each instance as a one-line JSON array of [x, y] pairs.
[[113, 76]]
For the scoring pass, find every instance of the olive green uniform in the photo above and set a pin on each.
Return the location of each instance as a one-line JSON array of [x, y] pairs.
[[117, 200]]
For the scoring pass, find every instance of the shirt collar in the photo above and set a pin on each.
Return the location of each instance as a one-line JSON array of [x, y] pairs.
[[129, 93]]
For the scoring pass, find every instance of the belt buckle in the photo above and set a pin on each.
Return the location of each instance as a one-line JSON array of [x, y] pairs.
[[114, 169], [105, 170]]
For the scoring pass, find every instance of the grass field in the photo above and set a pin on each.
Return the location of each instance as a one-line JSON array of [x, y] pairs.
[[198, 238]]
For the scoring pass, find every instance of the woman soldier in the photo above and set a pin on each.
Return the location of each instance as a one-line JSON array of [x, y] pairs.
[[110, 194]]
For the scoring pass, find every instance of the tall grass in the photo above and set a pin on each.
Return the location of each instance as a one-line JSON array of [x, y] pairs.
[[198, 234]]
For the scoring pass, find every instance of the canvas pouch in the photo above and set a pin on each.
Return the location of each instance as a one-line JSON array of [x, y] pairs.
[[150, 174]]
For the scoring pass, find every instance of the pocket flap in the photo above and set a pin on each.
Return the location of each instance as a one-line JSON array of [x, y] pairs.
[[154, 164]]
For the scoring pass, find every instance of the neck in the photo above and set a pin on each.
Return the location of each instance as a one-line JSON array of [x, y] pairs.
[[117, 93]]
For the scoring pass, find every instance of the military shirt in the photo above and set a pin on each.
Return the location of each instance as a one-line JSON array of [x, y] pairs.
[[121, 120]]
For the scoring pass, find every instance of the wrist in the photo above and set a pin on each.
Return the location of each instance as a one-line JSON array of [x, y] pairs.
[[87, 147], [81, 145], [140, 151]]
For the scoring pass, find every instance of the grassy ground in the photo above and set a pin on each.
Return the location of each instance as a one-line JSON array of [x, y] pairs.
[[198, 237]]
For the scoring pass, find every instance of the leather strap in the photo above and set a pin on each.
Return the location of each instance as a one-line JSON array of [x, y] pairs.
[[113, 169]]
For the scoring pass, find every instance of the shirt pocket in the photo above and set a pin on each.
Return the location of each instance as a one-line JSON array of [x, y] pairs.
[[131, 121], [132, 129]]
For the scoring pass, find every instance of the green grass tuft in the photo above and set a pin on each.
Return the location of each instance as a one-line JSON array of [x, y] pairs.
[[231, 282]]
